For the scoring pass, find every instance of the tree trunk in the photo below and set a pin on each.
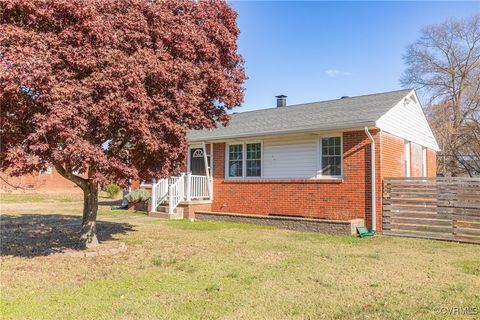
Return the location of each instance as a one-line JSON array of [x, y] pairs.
[[88, 234]]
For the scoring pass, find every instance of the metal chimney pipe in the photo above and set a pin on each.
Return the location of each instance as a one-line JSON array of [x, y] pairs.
[[281, 101]]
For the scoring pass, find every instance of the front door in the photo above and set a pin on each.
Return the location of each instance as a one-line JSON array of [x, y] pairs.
[[197, 163]]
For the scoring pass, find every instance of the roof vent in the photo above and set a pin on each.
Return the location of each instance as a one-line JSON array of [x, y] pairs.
[[344, 97], [281, 101]]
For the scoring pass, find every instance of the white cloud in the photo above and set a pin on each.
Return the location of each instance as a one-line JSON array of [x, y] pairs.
[[336, 73]]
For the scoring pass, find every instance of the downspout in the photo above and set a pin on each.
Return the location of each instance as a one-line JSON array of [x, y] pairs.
[[373, 179]]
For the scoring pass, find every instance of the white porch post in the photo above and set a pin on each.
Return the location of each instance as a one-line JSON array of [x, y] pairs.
[[170, 200], [188, 184], [154, 198], [207, 170], [210, 182]]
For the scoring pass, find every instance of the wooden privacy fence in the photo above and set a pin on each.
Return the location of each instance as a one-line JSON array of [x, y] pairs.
[[434, 208]]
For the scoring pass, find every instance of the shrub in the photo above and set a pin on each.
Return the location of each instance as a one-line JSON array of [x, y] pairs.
[[137, 196], [112, 189]]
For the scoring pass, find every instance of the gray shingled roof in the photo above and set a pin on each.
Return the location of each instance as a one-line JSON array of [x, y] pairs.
[[352, 112]]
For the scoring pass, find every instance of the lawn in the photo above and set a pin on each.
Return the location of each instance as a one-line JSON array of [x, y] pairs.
[[213, 270]]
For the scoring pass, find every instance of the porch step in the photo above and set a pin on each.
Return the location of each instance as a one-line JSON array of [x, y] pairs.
[[156, 214], [162, 212]]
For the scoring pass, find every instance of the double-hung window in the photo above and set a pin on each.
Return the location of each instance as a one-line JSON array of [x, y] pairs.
[[244, 160], [254, 160], [330, 157], [235, 160]]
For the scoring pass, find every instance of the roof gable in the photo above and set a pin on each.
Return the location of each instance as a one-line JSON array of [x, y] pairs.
[[408, 121]]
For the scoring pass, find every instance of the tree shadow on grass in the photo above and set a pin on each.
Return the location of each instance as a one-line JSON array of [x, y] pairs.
[[33, 235]]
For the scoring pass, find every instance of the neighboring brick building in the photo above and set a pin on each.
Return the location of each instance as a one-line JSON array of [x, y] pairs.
[[310, 160], [49, 181]]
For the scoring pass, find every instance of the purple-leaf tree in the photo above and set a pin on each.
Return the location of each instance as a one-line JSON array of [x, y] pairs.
[[105, 91]]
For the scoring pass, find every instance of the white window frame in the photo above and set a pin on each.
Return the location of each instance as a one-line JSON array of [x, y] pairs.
[[424, 161], [244, 160], [406, 160], [320, 156]]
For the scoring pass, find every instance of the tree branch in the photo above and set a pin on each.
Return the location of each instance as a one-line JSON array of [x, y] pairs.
[[11, 185], [79, 181]]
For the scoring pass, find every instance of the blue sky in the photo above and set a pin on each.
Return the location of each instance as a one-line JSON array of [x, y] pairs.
[[312, 51]]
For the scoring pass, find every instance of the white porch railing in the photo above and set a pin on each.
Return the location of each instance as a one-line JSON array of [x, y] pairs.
[[185, 187], [198, 187], [159, 192], [176, 193]]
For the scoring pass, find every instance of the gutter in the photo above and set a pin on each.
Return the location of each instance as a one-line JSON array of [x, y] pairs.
[[356, 126], [372, 172]]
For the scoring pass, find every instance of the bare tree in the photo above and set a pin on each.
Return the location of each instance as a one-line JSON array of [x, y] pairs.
[[444, 64]]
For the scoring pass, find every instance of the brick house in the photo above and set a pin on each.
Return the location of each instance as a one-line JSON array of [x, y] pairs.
[[308, 160], [48, 181]]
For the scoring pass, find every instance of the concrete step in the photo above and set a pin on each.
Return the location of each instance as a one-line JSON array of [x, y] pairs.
[[162, 212], [156, 214]]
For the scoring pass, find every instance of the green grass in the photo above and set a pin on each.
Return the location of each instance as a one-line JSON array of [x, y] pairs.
[[220, 270], [20, 198], [470, 266], [35, 197], [212, 225], [107, 213]]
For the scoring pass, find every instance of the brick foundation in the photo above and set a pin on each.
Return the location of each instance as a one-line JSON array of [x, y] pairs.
[[190, 209], [337, 227]]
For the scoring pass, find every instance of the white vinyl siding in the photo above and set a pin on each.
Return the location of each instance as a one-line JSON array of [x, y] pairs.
[[290, 157], [294, 157], [407, 120]]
